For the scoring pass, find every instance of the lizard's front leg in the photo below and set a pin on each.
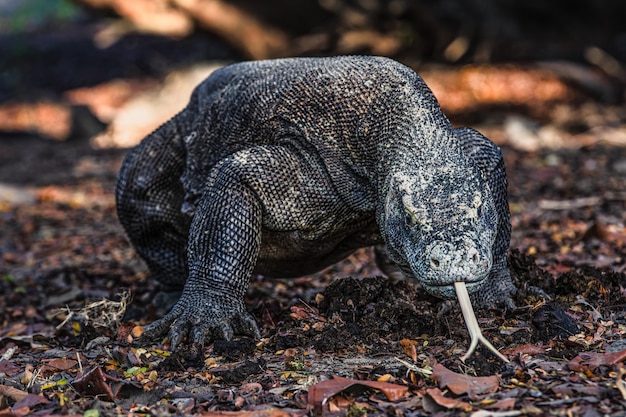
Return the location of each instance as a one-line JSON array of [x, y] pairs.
[[223, 246]]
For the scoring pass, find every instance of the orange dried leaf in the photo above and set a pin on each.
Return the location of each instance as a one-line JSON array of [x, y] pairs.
[[588, 361], [62, 364], [385, 378], [322, 391], [16, 394], [464, 384], [437, 396], [137, 331], [408, 346], [527, 349]]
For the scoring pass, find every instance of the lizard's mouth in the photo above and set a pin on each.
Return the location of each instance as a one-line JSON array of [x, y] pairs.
[[447, 290]]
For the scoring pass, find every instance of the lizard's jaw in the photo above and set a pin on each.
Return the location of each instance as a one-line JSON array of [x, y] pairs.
[[445, 262], [448, 292]]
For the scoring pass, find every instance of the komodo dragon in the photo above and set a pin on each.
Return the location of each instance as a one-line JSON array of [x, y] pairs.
[[283, 167]]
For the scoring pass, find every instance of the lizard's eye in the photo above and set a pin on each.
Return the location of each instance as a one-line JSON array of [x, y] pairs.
[[411, 219]]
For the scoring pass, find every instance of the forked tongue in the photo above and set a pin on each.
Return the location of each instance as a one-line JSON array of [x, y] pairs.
[[475, 333]]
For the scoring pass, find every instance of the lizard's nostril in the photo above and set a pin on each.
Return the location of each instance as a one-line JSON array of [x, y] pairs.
[[438, 255], [473, 256]]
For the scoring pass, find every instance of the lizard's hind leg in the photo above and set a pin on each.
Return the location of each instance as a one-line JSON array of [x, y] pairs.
[[149, 196]]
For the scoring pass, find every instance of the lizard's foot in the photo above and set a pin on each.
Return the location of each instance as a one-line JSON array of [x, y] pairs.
[[202, 318]]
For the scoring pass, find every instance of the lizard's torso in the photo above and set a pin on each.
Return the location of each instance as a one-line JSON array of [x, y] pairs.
[[336, 122]]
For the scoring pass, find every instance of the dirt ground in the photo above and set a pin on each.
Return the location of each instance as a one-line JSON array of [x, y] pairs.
[[346, 341]]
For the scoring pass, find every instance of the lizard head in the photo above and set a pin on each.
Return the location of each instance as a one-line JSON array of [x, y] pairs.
[[440, 225]]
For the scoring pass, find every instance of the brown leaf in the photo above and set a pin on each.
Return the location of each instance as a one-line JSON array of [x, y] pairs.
[[408, 346], [94, 383], [437, 396], [16, 394], [572, 390], [8, 367], [591, 360], [464, 384], [61, 364], [15, 412], [501, 405], [270, 412], [527, 349], [56, 365], [322, 391], [619, 381], [30, 401]]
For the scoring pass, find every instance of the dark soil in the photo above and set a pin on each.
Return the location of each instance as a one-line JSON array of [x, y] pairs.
[[68, 249], [62, 251]]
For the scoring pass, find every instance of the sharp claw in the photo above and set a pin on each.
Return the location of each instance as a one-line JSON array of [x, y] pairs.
[[150, 331], [159, 328], [200, 334], [246, 325], [177, 333], [472, 324], [509, 304], [225, 331]]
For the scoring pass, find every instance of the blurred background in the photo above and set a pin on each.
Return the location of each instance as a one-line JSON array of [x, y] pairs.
[[81, 81], [79, 62]]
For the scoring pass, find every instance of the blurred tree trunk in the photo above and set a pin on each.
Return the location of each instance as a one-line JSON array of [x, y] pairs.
[[249, 35]]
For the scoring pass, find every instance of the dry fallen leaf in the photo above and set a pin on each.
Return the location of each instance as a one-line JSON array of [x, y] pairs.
[[464, 384], [30, 401], [322, 391], [8, 367], [54, 366], [137, 331], [94, 383], [16, 394], [268, 412], [437, 396], [591, 360], [619, 381], [527, 349], [503, 404], [571, 390], [408, 346]]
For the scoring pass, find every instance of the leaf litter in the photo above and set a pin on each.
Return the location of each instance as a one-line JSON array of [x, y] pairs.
[[67, 333]]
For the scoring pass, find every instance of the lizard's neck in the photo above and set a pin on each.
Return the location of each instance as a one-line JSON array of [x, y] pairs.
[[427, 147]]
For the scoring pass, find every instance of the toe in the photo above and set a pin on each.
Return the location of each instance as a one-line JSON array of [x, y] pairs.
[[224, 331], [157, 329], [177, 333], [200, 334], [247, 326]]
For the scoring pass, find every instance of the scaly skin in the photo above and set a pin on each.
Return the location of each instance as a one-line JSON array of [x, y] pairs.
[[284, 167]]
